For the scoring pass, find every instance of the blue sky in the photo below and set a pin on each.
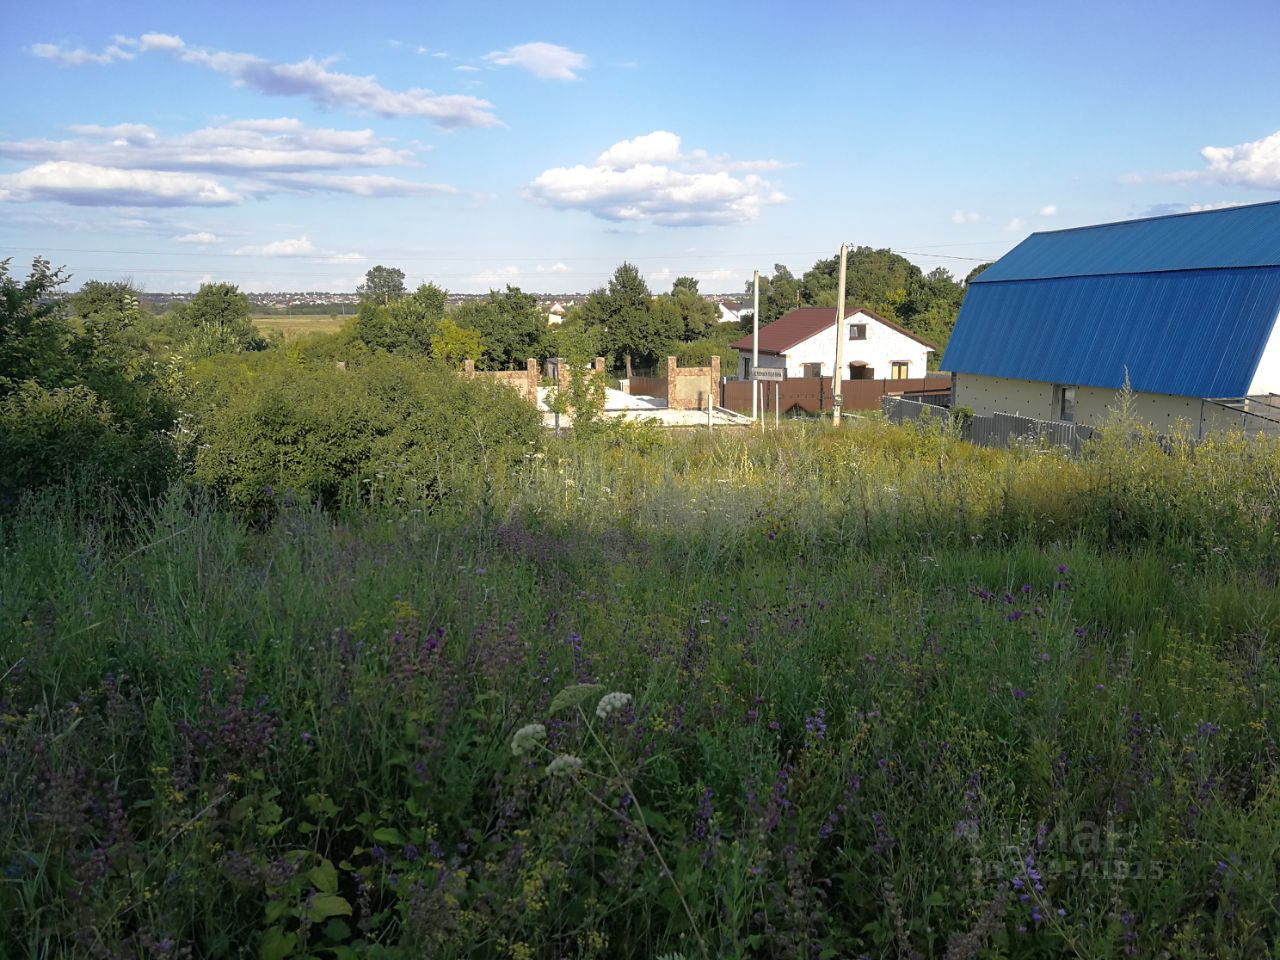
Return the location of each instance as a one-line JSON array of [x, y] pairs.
[[291, 146]]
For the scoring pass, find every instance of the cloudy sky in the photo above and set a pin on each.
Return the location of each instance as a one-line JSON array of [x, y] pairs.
[[291, 146]]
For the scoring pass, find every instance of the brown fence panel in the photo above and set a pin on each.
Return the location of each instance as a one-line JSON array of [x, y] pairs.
[[648, 387], [813, 394]]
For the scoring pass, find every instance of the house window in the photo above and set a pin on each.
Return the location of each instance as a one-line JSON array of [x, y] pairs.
[[812, 370], [900, 368], [1064, 403], [857, 331]]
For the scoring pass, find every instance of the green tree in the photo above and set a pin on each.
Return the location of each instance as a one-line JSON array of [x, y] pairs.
[[633, 329], [407, 325], [33, 328], [452, 344], [78, 397], [779, 294], [382, 284], [217, 321], [685, 283], [511, 325], [975, 272]]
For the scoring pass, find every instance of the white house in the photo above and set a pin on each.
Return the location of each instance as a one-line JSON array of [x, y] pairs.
[[803, 343], [735, 311], [555, 314], [1183, 307]]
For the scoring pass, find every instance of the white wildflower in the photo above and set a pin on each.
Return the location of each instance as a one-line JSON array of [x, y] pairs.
[[527, 737], [612, 703], [565, 765]]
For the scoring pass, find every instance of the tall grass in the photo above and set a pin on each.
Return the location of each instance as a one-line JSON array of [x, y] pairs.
[[892, 695]]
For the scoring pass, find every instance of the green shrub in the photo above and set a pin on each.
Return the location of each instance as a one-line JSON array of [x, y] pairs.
[[385, 429], [69, 433]]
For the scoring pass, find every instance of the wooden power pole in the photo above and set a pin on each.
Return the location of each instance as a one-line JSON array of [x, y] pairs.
[[755, 339], [837, 375]]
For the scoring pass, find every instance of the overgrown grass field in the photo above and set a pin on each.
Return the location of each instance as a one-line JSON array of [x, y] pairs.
[[296, 325], [806, 693]]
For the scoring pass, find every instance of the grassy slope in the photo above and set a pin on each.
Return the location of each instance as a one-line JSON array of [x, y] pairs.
[[838, 739]]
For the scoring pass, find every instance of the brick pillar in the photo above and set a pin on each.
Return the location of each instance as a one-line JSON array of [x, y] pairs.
[[469, 367], [715, 379], [531, 379], [598, 365], [671, 370], [562, 374]]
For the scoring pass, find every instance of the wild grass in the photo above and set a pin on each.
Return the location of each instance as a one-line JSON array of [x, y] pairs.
[[892, 695], [297, 325]]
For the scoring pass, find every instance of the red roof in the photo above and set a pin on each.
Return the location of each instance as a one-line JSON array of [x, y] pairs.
[[801, 324]]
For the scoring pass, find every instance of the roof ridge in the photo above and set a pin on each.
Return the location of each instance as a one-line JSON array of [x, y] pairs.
[[1159, 216]]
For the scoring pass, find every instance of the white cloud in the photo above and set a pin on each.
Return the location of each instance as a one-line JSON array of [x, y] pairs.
[[1225, 204], [648, 180], [269, 155], [78, 57], [466, 68], [1255, 164], [1014, 225], [86, 184], [308, 78], [554, 268], [364, 185], [204, 236], [503, 275], [966, 217], [297, 247], [547, 61], [1048, 210], [661, 146]]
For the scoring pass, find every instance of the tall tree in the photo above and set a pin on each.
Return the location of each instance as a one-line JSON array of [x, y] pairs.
[[510, 323], [684, 283], [633, 331], [779, 294], [217, 319], [382, 284], [406, 325]]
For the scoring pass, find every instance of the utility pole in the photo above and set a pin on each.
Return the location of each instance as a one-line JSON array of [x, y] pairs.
[[837, 376], [755, 340]]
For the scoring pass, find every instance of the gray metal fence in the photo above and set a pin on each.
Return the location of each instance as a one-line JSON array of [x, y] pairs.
[[997, 430]]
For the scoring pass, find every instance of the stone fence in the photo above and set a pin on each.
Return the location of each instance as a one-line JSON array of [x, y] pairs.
[[525, 381], [691, 388]]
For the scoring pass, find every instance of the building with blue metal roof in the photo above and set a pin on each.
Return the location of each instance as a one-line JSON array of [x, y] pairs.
[[1185, 306]]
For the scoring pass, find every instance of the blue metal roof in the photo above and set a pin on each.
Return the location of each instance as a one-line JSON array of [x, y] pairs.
[[1233, 237], [1197, 333], [1185, 304]]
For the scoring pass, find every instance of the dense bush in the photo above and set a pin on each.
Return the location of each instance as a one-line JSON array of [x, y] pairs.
[[383, 430], [80, 396], [52, 436]]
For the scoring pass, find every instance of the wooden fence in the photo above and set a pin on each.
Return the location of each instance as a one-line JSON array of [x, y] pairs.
[[813, 394]]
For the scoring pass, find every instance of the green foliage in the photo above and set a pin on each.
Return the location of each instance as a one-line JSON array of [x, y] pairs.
[[511, 325], [407, 325], [80, 399], [33, 329], [216, 320], [452, 344], [382, 285], [70, 434], [383, 430]]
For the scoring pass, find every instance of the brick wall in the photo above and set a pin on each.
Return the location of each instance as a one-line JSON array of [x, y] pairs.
[[525, 381]]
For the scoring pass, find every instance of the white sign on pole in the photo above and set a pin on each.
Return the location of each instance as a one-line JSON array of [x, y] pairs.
[[767, 373]]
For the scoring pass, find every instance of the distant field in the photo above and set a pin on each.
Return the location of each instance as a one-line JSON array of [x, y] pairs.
[[299, 324]]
